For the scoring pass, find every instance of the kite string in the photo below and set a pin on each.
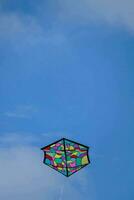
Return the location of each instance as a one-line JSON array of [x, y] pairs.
[[61, 192]]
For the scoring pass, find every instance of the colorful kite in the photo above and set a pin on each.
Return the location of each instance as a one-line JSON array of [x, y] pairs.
[[66, 156]]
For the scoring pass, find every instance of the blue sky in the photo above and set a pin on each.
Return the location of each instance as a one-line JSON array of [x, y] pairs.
[[66, 70]]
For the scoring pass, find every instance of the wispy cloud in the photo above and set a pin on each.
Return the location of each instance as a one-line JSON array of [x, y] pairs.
[[17, 26], [22, 111], [57, 134], [23, 175], [19, 139], [115, 12], [14, 24], [26, 30]]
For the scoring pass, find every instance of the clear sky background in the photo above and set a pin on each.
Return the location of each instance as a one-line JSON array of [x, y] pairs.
[[66, 70]]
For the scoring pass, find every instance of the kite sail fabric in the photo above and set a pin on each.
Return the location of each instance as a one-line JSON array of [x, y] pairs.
[[66, 156]]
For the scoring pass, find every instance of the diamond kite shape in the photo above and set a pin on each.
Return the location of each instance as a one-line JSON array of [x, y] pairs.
[[66, 156]]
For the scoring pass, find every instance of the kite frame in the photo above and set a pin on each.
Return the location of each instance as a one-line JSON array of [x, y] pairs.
[[63, 139]]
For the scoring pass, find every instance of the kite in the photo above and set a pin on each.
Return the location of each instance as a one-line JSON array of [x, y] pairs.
[[66, 156]]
